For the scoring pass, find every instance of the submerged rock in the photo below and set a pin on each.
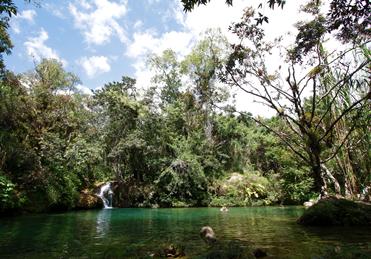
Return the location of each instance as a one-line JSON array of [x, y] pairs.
[[207, 234], [171, 251], [259, 253], [337, 212]]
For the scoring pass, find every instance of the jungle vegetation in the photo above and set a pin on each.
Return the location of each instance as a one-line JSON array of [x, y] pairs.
[[180, 142]]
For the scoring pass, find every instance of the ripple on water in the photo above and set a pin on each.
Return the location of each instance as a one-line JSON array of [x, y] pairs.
[[139, 232]]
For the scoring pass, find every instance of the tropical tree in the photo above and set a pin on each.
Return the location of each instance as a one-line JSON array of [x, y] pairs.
[[48, 150], [247, 69], [7, 10]]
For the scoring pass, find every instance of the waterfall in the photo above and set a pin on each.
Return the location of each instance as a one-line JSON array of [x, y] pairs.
[[105, 194]]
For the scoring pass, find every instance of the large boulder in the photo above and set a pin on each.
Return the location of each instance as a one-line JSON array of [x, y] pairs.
[[337, 212], [89, 200]]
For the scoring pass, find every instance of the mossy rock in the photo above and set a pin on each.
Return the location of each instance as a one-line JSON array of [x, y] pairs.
[[337, 212], [88, 200]]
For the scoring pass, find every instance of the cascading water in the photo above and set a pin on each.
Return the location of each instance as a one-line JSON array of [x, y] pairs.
[[106, 194]]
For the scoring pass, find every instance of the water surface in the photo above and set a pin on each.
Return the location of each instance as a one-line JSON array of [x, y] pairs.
[[131, 233]]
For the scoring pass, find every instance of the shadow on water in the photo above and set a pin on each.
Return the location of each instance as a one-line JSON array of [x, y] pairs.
[[123, 233]]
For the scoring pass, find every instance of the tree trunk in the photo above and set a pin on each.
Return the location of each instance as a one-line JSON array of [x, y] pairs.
[[319, 179], [116, 169], [332, 178], [314, 152]]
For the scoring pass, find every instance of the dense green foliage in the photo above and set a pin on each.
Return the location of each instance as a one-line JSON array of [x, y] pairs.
[[49, 149], [179, 143]]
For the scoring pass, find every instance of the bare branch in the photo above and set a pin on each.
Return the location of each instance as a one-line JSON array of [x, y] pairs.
[[345, 138], [313, 101], [305, 85], [283, 139]]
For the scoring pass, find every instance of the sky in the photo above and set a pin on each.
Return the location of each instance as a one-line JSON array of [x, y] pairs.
[[102, 40]]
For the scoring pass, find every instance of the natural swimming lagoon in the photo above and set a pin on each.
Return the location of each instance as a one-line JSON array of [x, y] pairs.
[[137, 233]]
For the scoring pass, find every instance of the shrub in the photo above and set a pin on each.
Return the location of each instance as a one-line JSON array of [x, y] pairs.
[[8, 196], [183, 183]]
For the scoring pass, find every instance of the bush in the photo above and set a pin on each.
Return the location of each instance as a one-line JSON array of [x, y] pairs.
[[241, 190], [8, 196], [183, 183]]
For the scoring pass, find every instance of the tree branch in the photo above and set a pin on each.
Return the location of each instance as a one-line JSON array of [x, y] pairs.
[[350, 108], [283, 139]]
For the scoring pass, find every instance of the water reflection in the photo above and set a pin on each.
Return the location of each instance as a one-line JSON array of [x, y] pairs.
[[136, 233], [103, 222]]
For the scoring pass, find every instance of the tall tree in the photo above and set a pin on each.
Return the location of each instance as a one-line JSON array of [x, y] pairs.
[[167, 76], [7, 10], [247, 69], [122, 113], [202, 66]]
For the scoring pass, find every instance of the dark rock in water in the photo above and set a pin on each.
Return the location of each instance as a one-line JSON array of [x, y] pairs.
[[337, 212], [174, 251], [171, 251], [88, 200], [258, 253], [207, 234]]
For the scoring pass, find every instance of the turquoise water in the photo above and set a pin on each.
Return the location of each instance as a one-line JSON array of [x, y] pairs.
[[136, 233]]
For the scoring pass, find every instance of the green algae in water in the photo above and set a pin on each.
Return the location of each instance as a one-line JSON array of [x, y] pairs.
[[138, 233]]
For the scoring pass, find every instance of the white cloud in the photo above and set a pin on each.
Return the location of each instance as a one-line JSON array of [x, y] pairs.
[[142, 74], [99, 23], [26, 15], [37, 50], [148, 42], [215, 14], [138, 24], [85, 5], [56, 10], [84, 89], [95, 65], [145, 43]]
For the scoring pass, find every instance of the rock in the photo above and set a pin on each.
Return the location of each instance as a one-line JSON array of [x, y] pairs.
[[258, 253], [235, 178], [174, 251], [171, 251], [207, 234], [333, 211], [366, 194], [88, 200], [311, 202], [308, 204], [224, 209]]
